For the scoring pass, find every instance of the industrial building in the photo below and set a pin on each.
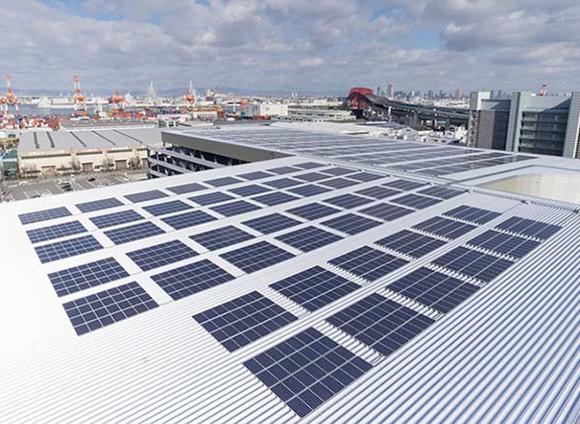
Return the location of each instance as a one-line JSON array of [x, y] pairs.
[[317, 115], [332, 282]]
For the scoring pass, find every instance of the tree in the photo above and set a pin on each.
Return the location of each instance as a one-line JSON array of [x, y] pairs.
[[107, 164], [135, 163]]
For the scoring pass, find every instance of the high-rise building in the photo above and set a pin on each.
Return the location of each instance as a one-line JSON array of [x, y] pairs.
[[390, 91], [488, 121]]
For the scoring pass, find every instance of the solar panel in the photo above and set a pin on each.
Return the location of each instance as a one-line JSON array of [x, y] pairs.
[[107, 307], [192, 278], [311, 177], [220, 182], [415, 201], [309, 238], [55, 231], [67, 248], [85, 276], [529, 228], [98, 205], [258, 175], [337, 171], [188, 219], [471, 214], [441, 192], [186, 188], [404, 184], [244, 320], [133, 232], [386, 212], [365, 176], [378, 192], [444, 227], [380, 323], [249, 190], [167, 207], [235, 208], [145, 196], [351, 223], [313, 211], [283, 170], [433, 289], [338, 183], [256, 256], [518, 247], [306, 370], [271, 223], [473, 264], [314, 288], [309, 190], [221, 237], [409, 243], [282, 183], [272, 199], [45, 215], [309, 165], [347, 201], [211, 198], [116, 218], [368, 263], [161, 254]]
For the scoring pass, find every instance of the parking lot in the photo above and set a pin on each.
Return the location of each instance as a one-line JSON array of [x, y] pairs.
[[34, 188]]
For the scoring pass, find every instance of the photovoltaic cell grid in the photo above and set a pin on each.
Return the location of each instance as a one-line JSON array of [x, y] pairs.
[[311, 177], [473, 264], [220, 182], [55, 231], [98, 205], [309, 165], [145, 196], [192, 278], [380, 323], [339, 183], [306, 370], [368, 263], [282, 183], [309, 238], [45, 215], [471, 214], [378, 192], [529, 228], [235, 208], [404, 184], [188, 219], [515, 246], [386, 212], [410, 243], [258, 175], [309, 190], [133, 232], [314, 288], [415, 201], [271, 223], [433, 289], [107, 307], [347, 201], [249, 190], [440, 192], [338, 171], [444, 227], [167, 207], [272, 199], [116, 218], [244, 320], [67, 248], [365, 176], [256, 256], [186, 188], [351, 223], [283, 170], [221, 237], [161, 254], [211, 198], [313, 211]]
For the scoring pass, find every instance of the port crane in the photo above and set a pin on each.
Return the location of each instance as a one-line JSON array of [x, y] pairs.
[[190, 96], [79, 99], [543, 90], [10, 98]]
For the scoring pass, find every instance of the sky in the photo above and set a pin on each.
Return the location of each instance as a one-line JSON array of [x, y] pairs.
[[324, 46]]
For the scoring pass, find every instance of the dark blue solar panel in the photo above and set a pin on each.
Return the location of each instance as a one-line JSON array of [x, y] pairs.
[[338, 171], [339, 183], [244, 320], [145, 196], [365, 176], [471, 214], [410, 243], [221, 237], [133, 232], [220, 182], [45, 215], [386, 212], [107, 307], [257, 256], [311, 177], [348, 201], [529, 227], [313, 211], [67, 248], [368, 263], [249, 190], [161, 254], [192, 278], [186, 188], [272, 199], [271, 223], [308, 165], [378, 192], [55, 231], [98, 205], [434, 289], [309, 190], [441, 192], [258, 175], [283, 170], [404, 184], [235, 208], [188, 219], [309, 238], [518, 247], [415, 201], [282, 183], [306, 370], [116, 218], [211, 198], [85, 276], [351, 223], [444, 227], [474, 264], [167, 207], [314, 288], [380, 323]]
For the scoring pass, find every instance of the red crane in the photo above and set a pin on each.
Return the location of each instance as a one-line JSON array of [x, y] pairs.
[[79, 98], [10, 98]]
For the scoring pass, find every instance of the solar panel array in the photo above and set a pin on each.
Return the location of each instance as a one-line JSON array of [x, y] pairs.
[[308, 238], [368, 263], [45, 215], [161, 254], [116, 218], [410, 243], [271, 223], [55, 231], [256, 256], [221, 237], [351, 223], [188, 219], [145, 196], [167, 207], [67, 248], [98, 205], [133, 232]]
